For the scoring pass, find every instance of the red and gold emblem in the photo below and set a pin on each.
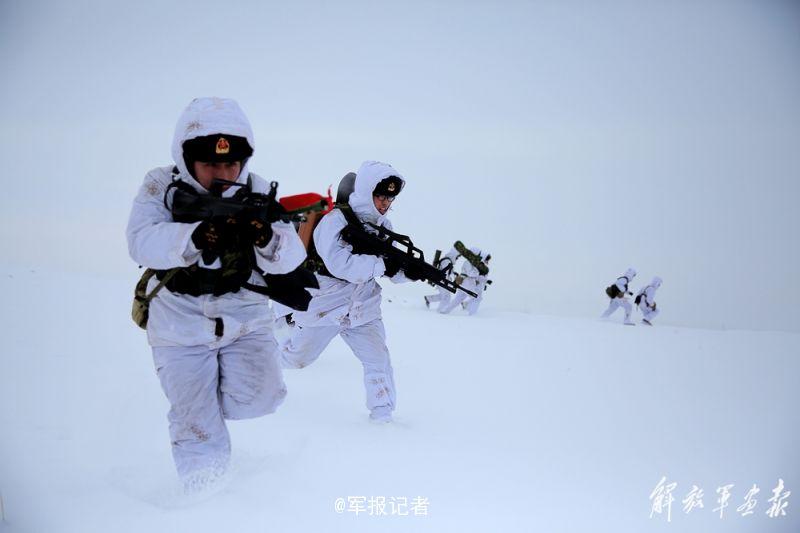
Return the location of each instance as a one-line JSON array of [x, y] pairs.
[[223, 146]]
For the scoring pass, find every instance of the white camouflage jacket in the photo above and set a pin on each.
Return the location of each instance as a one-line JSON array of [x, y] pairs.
[[155, 241], [355, 298]]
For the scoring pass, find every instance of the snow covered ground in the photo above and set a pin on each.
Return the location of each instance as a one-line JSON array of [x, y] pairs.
[[569, 139], [505, 422]]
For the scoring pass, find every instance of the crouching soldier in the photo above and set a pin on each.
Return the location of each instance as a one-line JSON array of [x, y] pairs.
[[348, 302], [213, 347], [618, 293], [646, 301], [447, 262], [474, 274]]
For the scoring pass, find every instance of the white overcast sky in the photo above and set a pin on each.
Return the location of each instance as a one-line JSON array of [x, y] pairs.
[[570, 139]]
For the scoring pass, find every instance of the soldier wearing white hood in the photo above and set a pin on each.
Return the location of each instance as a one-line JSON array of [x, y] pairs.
[[646, 300], [473, 281], [618, 293], [348, 302], [213, 347]]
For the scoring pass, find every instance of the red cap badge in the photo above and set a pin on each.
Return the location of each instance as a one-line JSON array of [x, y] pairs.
[[223, 146]]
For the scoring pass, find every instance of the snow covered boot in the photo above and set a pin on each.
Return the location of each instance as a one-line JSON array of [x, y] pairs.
[[645, 321]]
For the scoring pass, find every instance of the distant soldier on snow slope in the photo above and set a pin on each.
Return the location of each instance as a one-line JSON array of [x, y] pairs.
[[646, 301], [617, 294], [474, 271]]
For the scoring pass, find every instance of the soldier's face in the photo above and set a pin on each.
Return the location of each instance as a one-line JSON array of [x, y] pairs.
[[206, 173], [382, 202]]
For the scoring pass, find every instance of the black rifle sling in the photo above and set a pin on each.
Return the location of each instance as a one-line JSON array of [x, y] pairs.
[[356, 235], [313, 261], [287, 289], [643, 295]]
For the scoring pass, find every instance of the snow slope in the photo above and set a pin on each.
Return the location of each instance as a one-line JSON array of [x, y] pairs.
[[505, 422]]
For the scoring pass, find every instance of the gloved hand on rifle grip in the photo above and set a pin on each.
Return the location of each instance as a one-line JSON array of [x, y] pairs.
[[392, 267], [214, 235], [257, 231]]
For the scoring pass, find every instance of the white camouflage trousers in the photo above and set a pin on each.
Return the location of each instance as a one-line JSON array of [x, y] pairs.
[[647, 313], [205, 387], [368, 343], [442, 296], [615, 304], [470, 303]]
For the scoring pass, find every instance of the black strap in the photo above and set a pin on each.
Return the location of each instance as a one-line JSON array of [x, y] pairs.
[[349, 215], [195, 281], [287, 289], [644, 295], [314, 261], [356, 234]]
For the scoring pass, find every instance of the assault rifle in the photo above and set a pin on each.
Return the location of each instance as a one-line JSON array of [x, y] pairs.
[[188, 205], [396, 247]]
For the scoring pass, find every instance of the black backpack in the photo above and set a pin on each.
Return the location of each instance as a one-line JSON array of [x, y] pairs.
[[641, 295], [612, 291]]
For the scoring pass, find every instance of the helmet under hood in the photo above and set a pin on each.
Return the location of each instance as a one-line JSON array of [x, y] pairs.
[[212, 129]]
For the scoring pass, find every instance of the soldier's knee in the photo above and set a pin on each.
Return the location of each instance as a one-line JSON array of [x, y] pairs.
[[269, 403], [261, 402]]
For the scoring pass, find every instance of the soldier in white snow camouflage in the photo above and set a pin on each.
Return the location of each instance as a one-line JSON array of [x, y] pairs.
[[646, 301], [213, 346], [348, 302], [618, 294], [474, 281]]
